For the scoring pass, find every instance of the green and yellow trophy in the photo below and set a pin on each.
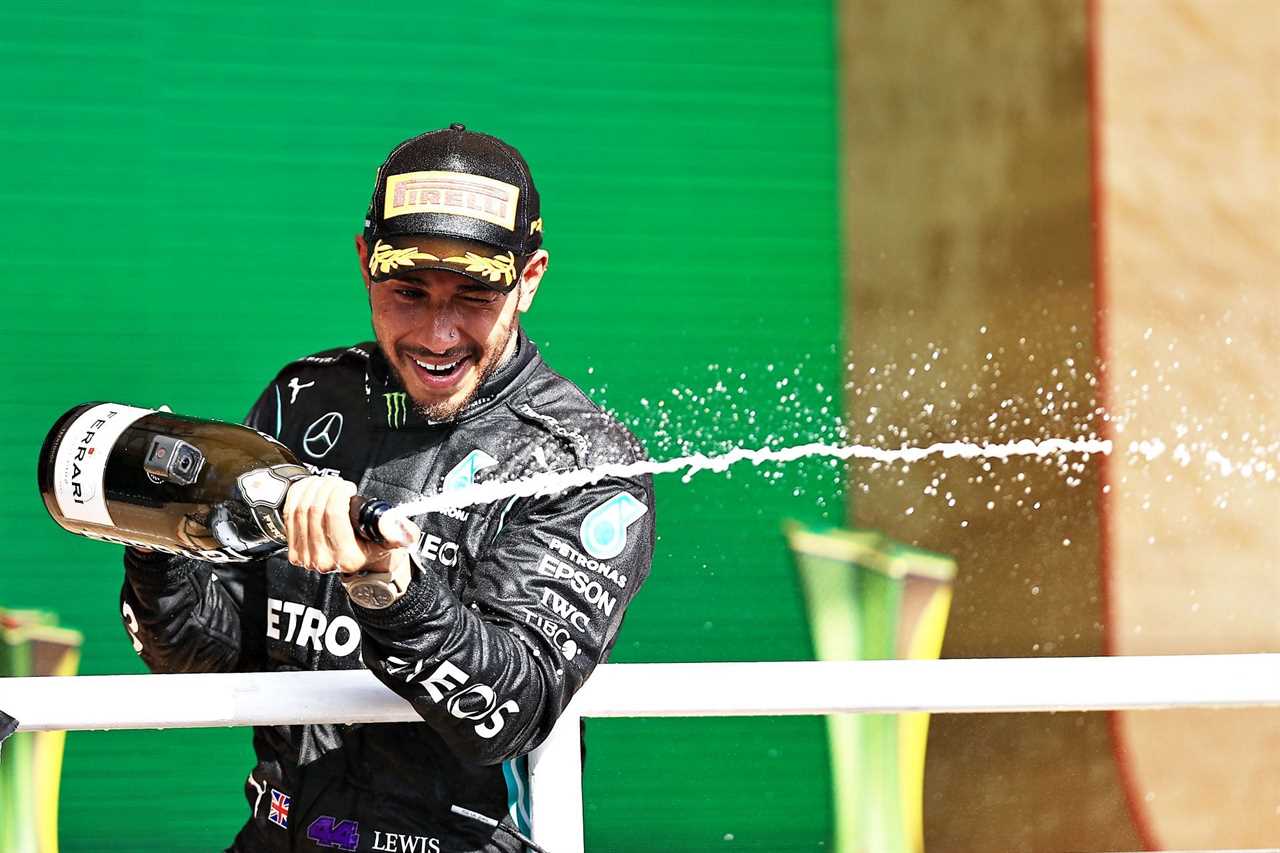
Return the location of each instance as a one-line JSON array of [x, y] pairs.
[[31, 643], [870, 598]]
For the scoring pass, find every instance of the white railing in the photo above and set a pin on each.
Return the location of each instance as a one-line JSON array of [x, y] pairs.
[[659, 690]]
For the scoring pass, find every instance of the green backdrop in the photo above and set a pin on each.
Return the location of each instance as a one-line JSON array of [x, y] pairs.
[[181, 185]]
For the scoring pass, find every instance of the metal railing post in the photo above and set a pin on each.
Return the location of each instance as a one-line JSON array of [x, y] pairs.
[[555, 787]]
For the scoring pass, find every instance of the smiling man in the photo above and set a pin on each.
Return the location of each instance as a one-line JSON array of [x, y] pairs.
[[486, 619], [461, 254]]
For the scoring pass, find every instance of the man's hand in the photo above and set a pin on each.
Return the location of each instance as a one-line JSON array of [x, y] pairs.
[[317, 521]]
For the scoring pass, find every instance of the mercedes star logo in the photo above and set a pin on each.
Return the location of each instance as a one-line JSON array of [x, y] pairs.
[[322, 435]]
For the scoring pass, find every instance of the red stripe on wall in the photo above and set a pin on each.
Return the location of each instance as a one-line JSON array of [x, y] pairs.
[[1137, 811]]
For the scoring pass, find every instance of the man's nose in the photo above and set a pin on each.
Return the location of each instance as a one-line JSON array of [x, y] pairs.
[[442, 329]]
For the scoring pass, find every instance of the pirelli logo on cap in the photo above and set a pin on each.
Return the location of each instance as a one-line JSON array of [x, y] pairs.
[[456, 193]]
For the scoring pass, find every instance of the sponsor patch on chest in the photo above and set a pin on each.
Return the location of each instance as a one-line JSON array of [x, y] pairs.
[[294, 622]]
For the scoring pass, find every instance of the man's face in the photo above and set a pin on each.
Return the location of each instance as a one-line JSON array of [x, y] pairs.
[[444, 334]]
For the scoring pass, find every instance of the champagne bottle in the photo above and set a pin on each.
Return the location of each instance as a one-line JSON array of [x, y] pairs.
[[181, 485]]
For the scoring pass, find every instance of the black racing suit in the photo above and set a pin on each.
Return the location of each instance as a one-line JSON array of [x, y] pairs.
[[511, 607]]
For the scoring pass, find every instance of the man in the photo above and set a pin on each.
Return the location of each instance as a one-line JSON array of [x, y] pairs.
[[487, 619]]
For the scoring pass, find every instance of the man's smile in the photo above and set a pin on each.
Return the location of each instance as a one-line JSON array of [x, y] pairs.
[[441, 374]]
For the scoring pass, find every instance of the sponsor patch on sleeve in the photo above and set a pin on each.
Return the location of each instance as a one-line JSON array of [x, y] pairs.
[[604, 530]]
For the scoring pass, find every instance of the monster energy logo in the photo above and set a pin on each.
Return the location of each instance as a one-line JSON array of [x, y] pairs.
[[397, 409]]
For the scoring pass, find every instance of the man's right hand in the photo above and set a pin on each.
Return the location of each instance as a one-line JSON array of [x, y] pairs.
[[317, 522]]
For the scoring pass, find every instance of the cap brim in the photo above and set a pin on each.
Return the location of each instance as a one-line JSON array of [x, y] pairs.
[[493, 268]]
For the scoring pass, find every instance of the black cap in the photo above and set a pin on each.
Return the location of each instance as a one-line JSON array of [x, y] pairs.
[[457, 200]]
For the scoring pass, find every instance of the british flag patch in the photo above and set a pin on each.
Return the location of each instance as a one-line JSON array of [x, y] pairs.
[[279, 814]]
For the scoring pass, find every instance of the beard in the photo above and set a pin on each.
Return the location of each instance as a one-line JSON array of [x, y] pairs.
[[446, 410]]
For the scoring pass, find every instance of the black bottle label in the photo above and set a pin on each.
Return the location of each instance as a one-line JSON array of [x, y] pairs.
[[263, 490]]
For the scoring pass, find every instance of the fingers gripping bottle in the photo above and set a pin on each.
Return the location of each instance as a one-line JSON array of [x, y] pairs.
[[199, 488]]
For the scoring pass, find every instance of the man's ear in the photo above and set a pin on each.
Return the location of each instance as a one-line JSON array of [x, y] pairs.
[[363, 251], [530, 278]]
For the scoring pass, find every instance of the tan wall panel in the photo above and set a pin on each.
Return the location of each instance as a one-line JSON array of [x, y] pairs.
[[967, 204], [1190, 94]]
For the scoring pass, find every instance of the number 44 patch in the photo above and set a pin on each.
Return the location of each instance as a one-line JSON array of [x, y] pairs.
[[326, 831]]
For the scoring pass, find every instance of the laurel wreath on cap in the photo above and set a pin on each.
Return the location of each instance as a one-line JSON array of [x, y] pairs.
[[386, 258]]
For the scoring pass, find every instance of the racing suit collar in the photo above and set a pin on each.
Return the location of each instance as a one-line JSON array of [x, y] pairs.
[[390, 407]]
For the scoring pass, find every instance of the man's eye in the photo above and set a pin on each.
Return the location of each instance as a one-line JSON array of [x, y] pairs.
[[408, 292], [479, 300]]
